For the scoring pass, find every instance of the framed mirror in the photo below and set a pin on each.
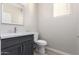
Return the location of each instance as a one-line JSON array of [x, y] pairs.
[[12, 13]]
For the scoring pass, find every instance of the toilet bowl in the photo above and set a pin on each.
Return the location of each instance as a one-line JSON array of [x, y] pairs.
[[41, 44]]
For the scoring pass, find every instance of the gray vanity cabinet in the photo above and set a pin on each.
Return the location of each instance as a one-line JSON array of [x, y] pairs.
[[22, 45]]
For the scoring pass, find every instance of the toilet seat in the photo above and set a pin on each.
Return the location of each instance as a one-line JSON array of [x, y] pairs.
[[41, 42]]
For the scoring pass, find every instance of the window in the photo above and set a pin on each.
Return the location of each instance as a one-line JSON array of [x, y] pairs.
[[60, 9]]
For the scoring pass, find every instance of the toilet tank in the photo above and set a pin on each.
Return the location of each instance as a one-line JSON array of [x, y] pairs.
[[35, 36]]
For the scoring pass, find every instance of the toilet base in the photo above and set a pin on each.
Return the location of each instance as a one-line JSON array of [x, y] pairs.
[[41, 50]]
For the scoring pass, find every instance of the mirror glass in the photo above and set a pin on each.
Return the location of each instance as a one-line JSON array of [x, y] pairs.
[[12, 14]]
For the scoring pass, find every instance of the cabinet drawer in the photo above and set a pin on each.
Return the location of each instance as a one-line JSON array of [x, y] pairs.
[[9, 42]]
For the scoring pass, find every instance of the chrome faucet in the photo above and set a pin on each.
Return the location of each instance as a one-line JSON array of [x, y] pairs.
[[15, 29]]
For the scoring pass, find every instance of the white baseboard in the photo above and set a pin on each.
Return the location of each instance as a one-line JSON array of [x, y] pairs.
[[57, 51]]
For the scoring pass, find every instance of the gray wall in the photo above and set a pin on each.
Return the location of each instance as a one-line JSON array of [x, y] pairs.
[[60, 32], [30, 17]]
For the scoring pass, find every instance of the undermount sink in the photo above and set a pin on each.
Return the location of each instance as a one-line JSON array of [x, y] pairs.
[[9, 35]]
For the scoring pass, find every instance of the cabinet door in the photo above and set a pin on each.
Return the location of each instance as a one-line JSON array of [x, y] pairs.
[[27, 47], [14, 50], [8, 42]]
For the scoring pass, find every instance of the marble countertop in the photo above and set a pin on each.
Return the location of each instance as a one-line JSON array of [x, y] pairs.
[[10, 35]]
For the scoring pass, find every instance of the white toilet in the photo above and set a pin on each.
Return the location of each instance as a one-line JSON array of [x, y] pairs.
[[40, 44]]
